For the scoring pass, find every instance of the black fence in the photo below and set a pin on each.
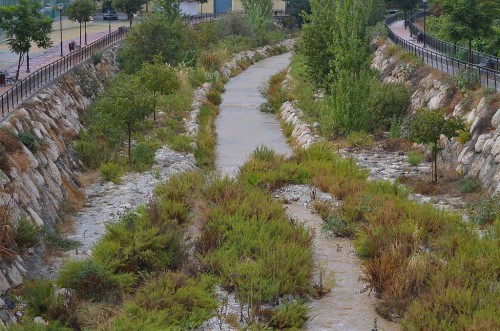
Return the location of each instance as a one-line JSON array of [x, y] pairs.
[[453, 50], [489, 78], [25, 87]]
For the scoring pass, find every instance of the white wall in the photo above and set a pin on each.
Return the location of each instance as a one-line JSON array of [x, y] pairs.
[[189, 7]]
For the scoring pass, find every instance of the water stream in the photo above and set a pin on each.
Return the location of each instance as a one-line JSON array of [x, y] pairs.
[[241, 127]]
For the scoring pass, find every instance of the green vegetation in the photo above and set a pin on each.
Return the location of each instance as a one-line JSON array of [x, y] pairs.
[[414, 158], [359, 139], [427, 126], [29, 140], [81, 11], [26, 234], [275, 93], [414, 254]]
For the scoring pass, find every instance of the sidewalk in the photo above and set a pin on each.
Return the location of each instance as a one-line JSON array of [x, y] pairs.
[[41, 57]]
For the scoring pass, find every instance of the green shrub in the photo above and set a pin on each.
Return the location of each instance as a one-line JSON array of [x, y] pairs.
[[290, 315], [469, 185], [29, 140], [173, 301], [26, 234], [337, 226], [181, 143], [143, 156], [111, 171], [144, 243], [89, 279], [359, 139], [466, 79], [211, 60], [97, 57], [55, 240], [39, 296], [464, 136], [485, 210], [214, 97], [414, 158], [389, 102]]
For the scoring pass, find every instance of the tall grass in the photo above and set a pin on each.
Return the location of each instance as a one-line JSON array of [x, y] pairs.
[[427, 265]]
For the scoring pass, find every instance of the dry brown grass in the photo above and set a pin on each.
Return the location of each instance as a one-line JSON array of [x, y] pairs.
[[21, 161], [75, 197], [9, 141], [88, 177], [396, 144]]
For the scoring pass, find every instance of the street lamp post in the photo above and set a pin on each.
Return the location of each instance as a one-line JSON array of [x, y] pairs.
[[60, 6], [109, 26], [425, 14]]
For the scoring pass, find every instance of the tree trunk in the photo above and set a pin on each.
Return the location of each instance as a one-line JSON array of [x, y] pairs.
[[470, 51], [434, 155], [85, 33], [129, 128], [19, 64]]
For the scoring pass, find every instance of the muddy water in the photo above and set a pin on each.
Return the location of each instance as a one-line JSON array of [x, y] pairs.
[[347, 307], [241, 127]]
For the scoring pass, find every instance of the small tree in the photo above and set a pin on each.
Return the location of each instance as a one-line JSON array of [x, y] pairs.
[[81, 11], [427, 127], [171, 8], [126, 103], [158, 78], [406, 5], [23, 25], [130, 7]]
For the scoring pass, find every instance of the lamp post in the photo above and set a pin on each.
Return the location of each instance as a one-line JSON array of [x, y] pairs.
[[425, 14], [109, 26], [60, 6]]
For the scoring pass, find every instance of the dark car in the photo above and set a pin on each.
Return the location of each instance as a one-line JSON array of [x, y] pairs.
[[109, 14]]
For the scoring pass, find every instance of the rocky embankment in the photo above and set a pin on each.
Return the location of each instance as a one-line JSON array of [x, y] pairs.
[[35, 182], [478, 157]]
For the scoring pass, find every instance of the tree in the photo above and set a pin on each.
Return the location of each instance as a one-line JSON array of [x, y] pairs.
[[427, 126], [155, 35], [469, 19], [23, 25], [130, 7], [159, 78], [171, 9], [81, 11], [126, 104], [297, 9], [406, 5]]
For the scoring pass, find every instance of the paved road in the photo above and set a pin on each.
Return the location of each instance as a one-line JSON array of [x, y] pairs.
[[437, 60]]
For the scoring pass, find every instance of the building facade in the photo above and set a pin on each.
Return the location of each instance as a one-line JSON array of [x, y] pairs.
[[223, 6]]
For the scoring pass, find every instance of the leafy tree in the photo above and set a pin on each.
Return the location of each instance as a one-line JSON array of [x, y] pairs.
[[171, 8], [406, 5], [427, 127], [469, 19], [23, 25], [159, 78], [130, 7], [264, 8], [297, 9], [155, 35], [81, 11], [126, 104]]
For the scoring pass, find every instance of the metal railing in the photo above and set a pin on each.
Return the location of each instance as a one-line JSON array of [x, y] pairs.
[[25, 87], [451, 49], [489, 78]]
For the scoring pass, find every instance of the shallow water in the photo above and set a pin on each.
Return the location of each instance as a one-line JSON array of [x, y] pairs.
[[348, 306], [241, 127]]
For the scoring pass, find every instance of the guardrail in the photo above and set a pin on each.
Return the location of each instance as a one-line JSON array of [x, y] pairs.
[[489, 78], [450, 49], [25, 87]]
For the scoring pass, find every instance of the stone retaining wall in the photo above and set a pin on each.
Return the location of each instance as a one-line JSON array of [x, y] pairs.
[[479, 157], [36, 184]]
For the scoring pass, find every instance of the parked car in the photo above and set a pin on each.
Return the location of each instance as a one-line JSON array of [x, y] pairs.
[[109, 14]]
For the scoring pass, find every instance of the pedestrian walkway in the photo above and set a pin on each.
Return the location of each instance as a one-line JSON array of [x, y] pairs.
[[435, 59], [42, 57]]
